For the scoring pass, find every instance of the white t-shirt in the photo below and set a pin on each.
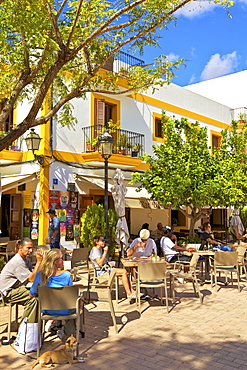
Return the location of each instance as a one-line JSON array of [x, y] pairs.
[[15, 273], [144, 251], [167, 244]]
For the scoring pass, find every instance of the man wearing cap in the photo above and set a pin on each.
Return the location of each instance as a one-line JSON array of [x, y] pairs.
[[142, 246], [54, 230], [170, 248]]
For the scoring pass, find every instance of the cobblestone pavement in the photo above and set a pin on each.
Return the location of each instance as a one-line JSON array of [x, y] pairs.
[[192, 336]]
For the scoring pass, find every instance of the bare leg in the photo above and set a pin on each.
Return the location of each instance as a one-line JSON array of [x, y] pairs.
[[125, 280]]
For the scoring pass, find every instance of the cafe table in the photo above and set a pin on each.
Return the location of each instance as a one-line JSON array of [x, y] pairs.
[[133, 262], [206, 254]]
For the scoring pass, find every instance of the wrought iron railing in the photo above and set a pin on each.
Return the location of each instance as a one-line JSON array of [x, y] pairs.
[[122, 62], [125, 142]]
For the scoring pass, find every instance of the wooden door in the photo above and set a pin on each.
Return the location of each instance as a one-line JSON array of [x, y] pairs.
[[15, 216]]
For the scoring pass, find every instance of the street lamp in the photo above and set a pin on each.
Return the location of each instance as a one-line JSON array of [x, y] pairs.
[[106, 141], [33, 142]]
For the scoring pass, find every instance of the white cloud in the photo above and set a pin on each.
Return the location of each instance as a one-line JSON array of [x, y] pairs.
[[196, 9], [220, 66], [172, 57], [192, 79]]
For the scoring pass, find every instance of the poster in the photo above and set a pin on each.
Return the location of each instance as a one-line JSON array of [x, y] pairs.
[[76, 229], [69, 232], [70, 216], [76, 216], [34, 223], [27, 199], [73, 200], [62, 228], [54, 199], [61, 214], [64, 199]]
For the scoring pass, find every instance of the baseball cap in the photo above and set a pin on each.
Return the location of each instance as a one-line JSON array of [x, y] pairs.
[[144, 234], [51, 211]]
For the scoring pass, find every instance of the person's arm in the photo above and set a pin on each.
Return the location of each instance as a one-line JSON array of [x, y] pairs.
[[182, 249], [133, 248], [101, 260], [39, 257], [213, 242], [34, 287]]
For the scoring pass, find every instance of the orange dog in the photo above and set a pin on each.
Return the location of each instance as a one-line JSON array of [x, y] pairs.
[[61, 356]]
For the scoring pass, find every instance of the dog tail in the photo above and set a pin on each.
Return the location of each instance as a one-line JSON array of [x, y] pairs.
[[35, 363]]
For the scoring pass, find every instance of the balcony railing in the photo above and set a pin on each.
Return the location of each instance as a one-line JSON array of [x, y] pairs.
[[122, 62], [125, 142]]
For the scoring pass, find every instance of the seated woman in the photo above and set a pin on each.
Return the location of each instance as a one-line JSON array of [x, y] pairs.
[[50, 274], [102, 265]]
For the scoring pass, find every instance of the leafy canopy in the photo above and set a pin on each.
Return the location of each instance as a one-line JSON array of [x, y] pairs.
[[65, 44], [184, 174]]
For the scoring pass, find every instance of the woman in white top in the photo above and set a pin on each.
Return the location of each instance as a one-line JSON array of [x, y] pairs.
[[101, 264]]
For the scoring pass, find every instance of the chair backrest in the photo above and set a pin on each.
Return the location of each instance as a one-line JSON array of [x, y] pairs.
[[241, 252], [79, 255], [4, 239], [63, 298], [151, 271], [11, 246], [225, 258], [194, 260]]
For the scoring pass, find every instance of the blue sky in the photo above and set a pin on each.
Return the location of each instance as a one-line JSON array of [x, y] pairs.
[[213, 44]]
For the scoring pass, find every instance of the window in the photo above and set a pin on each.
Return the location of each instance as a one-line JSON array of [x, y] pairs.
[[158, 132], [177, 218], [104, 111], [215, 140]]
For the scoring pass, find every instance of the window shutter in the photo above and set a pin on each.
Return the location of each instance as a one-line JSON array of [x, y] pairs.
[[99, 112]]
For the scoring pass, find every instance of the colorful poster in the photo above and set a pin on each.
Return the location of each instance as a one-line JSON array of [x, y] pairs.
[[73, 200], [26, 232], [70, 216], [34, 223], [62, 228], [64, 199], [76, 230], [54, 199], [27, 218], [61, 214], [69, 232]]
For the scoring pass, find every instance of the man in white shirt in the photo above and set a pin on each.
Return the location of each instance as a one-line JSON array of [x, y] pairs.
[[170, 248], [142, 246]]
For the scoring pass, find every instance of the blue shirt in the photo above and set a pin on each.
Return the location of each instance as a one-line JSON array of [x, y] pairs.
[[54, 225], [58, 281]]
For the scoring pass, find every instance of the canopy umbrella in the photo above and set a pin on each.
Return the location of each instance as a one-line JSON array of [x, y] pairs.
[[236, 225], [118, 193]]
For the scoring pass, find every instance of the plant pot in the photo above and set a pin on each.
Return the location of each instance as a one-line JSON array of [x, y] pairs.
[[134, 153], [122, 151]]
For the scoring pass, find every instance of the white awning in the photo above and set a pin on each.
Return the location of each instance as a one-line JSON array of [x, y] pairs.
[[133, 198], [10, 182]]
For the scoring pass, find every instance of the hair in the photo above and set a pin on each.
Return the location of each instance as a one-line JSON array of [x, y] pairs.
[[145, 226], [17, 246], [97, 238], [47, 264], [205, 225]]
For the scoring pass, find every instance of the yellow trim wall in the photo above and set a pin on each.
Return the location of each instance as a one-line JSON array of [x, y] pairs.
[[173, 108]]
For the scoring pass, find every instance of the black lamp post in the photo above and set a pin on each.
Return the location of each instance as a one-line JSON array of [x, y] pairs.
[[33, 141], [106, 141]]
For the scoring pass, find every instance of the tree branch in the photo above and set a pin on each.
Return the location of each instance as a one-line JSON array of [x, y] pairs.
[[74, 25], [54, 26]]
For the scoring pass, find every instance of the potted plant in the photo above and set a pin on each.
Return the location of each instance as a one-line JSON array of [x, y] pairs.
[[242, 118], [92, 144], [122, 143], [136, 149]]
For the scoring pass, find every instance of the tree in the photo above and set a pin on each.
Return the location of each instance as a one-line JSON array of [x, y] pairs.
[[184, 174], [58, 48]]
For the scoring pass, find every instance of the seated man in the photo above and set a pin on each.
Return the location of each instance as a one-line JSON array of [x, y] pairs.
[[208, 237], [16, 274], [170, 248], [142, 246]]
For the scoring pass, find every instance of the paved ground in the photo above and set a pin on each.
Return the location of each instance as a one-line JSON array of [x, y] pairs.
[[192, 336]]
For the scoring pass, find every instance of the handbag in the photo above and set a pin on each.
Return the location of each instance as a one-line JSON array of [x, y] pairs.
[[27, 337]]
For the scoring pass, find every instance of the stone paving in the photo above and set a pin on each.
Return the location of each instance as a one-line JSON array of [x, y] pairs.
[[192, 336]]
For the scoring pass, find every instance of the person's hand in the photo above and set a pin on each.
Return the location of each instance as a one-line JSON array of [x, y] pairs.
[[105, 249], [39, 255], [190, 249]]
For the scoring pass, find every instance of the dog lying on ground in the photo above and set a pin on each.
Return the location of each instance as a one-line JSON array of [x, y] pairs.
[[61, 356]]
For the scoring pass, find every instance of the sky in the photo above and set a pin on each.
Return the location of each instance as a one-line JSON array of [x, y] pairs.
[[212, 43]]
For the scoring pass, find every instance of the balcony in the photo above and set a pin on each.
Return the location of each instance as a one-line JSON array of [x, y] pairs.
[[121, 62], [125, 143]]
